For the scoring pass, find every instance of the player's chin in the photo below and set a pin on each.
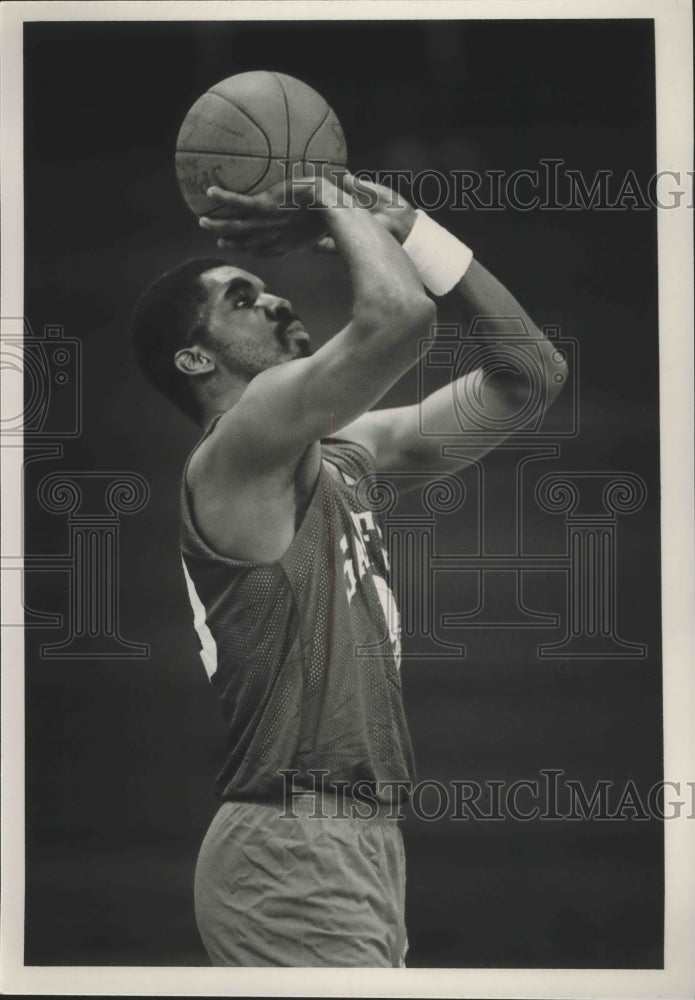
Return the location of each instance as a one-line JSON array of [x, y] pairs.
[[301, 348]]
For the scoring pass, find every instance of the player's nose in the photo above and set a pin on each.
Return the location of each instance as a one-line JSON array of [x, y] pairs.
[[274, 306]]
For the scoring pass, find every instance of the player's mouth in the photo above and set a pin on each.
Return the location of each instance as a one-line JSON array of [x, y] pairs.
[[293, 326], [293, 334]]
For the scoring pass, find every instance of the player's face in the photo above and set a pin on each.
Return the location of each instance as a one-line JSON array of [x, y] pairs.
[[249, 329]]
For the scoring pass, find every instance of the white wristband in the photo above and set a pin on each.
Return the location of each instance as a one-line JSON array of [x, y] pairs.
[[439, 257]]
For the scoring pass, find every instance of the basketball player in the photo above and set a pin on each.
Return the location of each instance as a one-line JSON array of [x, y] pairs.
[[285, 563]]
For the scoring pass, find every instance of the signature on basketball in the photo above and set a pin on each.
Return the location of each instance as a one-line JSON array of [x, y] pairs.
[[199, 182]]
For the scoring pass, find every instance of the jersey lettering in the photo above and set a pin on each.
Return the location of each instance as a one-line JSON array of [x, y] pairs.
[[348, 568], [393, 619], [367, 533]]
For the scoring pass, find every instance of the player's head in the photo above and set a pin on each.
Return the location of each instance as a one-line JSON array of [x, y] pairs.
[[206, 325]]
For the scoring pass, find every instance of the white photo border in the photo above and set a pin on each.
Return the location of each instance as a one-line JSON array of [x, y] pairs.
[[674, 91]]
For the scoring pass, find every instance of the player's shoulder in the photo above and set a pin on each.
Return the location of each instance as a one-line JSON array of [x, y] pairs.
[[224, 443], [226, 461]]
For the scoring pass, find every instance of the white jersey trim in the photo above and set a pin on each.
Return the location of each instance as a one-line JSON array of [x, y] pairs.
[[208, 646]]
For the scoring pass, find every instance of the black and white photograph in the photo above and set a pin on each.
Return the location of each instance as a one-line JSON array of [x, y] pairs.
[[347, 548]]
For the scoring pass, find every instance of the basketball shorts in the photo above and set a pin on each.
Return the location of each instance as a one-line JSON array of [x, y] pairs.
[[274, 890]]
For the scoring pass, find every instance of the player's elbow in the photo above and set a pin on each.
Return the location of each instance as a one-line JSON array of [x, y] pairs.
[[407, 313], [423, 313]]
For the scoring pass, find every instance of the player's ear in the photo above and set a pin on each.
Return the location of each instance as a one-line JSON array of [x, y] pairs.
[[194, 360]]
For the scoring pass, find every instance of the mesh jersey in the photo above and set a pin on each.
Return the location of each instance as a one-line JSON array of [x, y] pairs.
[[304, 652]]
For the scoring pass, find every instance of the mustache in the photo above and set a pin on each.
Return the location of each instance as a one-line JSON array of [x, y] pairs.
[[303, 346], [285, 323]]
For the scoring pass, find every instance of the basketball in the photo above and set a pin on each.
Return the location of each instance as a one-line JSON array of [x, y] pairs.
[[246, 132]]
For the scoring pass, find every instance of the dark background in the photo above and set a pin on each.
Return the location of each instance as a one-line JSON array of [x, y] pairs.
[[121, 755]]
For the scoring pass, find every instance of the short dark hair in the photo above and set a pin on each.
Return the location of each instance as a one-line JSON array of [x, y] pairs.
[[168, 316]]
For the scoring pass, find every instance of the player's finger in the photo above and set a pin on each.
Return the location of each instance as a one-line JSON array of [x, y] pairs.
[[238, 243], [248, 242], [293, 193], [233, 205], [258, 248], [365, 193], [239, 227]]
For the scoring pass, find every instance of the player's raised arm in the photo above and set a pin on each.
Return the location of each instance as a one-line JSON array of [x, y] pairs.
[[286, 407], [516, 367]]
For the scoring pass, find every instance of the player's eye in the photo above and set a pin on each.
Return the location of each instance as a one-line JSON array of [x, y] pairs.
[[242, 302]]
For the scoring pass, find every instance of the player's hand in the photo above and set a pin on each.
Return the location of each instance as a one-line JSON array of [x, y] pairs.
[[277, 221], [391, 209]]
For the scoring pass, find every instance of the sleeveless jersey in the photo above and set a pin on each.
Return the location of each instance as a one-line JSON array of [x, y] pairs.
[[304, 652]]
